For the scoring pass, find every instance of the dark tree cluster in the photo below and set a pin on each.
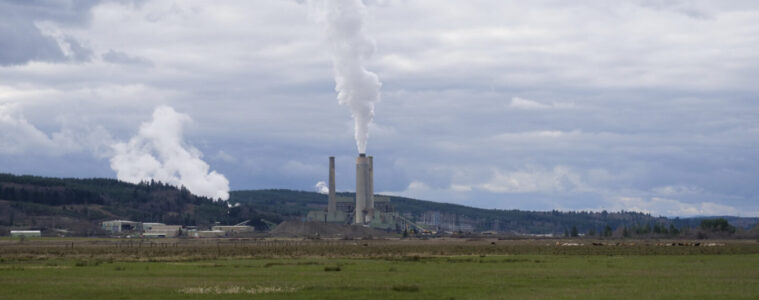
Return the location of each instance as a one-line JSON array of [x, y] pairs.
[[717, 225]]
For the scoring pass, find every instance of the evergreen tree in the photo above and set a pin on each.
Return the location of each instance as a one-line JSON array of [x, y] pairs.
[[719, 224], [607, 231], [673, 230]]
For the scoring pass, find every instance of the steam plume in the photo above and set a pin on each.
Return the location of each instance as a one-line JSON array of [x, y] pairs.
[[356, 87], [158, 152], [321, 187]]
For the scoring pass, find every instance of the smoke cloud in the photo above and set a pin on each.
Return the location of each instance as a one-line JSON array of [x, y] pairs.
[[356, 87], [158, 152], [321, 187]]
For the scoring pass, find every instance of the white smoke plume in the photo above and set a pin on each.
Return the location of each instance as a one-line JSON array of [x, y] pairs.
[[321, 187], [356, 87], [158, 152]]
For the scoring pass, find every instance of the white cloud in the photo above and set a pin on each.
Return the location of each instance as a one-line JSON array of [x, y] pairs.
[[559, 179], [672, 207], [531, 135], [461, 188], [417, 186], [520, 103], [19, 137], [525, 104], [225, 157], [681, 190], [295, 167]]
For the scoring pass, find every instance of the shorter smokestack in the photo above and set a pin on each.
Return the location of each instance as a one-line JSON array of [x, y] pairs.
[[331, 204]]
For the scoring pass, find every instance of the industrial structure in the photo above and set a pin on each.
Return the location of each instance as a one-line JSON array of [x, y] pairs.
[[161, 230], [236, 229], [121, 226], [365, 209]]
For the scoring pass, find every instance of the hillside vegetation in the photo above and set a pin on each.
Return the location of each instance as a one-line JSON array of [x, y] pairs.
[[298, 203], [294, 204], [78, 205]]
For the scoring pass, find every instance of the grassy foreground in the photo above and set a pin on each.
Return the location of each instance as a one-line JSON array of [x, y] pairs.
[[399, 276]]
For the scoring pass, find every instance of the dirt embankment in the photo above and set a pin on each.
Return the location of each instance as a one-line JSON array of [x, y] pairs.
[[311, 229]]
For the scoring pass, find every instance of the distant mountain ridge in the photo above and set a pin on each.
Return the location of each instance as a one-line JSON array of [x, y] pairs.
[[298, 203]]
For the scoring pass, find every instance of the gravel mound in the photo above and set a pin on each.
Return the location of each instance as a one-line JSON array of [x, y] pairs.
[[311, 229]]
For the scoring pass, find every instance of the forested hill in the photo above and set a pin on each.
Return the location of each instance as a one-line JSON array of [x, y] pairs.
[[297, 203], [78, 205]]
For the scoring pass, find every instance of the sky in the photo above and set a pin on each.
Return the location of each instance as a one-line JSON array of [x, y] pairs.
[[648, 106]]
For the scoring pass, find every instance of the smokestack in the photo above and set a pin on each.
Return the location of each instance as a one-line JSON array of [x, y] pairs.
[[331, 204], [363, 182], [370, 192]]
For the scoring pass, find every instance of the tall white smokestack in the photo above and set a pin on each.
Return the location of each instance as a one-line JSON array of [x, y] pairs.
[[331, 204], [363, 188], [370, 192]]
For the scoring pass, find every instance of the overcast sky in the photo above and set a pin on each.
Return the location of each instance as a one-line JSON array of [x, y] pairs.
[[649, 106]]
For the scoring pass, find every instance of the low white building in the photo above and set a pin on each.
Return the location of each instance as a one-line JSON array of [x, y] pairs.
[[235, 229], [26, 233]]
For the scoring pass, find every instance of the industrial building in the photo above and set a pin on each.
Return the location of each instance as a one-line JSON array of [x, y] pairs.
[[121, 226], [365, 209], [160, 230]]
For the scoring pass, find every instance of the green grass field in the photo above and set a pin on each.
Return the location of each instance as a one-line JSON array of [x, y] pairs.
[[387, 270]]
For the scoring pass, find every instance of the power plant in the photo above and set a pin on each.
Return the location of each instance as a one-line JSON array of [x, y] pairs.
[[365, 209]]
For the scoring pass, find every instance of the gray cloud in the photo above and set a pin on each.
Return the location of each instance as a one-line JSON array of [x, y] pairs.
[[118, 57], [22, 40], [79, 52]]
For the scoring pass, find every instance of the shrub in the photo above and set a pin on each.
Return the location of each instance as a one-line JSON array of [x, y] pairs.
[[406, 288]]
